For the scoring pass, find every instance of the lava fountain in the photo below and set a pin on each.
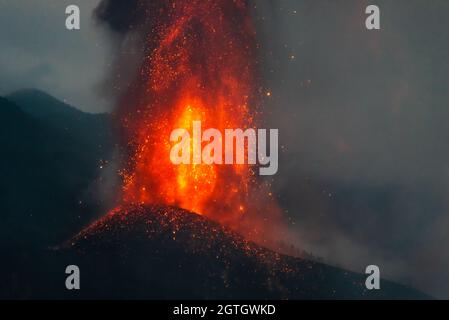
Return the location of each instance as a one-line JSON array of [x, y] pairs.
[[200, 64]]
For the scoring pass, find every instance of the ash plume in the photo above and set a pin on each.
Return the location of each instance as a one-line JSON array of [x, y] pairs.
[[119, 15]]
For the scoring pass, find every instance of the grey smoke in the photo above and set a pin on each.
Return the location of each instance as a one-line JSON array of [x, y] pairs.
[[363, 120]]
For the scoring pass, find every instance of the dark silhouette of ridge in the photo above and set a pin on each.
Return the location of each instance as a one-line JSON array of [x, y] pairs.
[[160, 252], [45, 172]]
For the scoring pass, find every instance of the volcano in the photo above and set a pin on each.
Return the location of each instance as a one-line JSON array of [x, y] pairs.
[[163, 252]]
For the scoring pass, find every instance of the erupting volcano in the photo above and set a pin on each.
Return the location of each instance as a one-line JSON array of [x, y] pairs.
[[194, 230], [200, 64]]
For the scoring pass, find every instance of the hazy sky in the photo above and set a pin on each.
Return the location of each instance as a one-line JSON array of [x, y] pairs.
[[363, 117], [37, 51]]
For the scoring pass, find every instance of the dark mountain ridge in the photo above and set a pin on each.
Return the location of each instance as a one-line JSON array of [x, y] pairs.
[[93, 130], [45, 171], [160, 252]]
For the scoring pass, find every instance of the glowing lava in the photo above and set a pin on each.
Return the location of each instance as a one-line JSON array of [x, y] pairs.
[[201, 66]]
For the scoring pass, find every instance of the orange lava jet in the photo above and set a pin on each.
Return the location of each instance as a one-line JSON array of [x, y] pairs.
[[201, 66]]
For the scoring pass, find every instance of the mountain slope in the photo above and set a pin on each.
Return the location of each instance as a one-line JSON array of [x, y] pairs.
[[44, 172], [163, 252], [93, 130]]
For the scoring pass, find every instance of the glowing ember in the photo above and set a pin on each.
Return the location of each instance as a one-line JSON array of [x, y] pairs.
[[200, 66]]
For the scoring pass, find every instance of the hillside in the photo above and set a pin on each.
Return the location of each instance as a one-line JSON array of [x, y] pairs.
[[162, 252], [93, 130], [45, 171]]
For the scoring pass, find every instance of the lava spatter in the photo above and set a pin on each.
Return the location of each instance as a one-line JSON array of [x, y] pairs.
[[200, 65]]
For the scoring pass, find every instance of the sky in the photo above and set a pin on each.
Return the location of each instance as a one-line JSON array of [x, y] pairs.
[[364, 171], [37, 51]]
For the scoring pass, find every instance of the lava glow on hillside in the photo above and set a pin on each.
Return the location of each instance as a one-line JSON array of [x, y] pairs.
[[200, 64]]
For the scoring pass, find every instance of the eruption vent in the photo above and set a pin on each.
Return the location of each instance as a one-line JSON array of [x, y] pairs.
[[199, 65]]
